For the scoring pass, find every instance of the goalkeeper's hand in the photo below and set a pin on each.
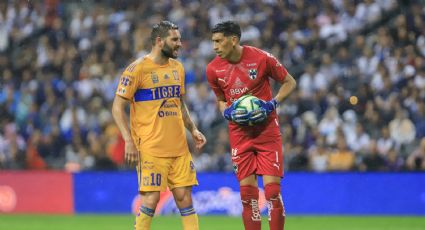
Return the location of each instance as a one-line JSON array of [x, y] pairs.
[[240, 117], [267, 106], [257, 116]]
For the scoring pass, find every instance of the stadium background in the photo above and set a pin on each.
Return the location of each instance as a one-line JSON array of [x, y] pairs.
[[353, 132]]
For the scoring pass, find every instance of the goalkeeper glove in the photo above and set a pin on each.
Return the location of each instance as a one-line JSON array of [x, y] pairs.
[[267, 106], [257, 116], [240, 117]]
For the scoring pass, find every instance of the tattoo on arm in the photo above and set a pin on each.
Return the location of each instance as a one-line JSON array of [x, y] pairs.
[[188, 123]]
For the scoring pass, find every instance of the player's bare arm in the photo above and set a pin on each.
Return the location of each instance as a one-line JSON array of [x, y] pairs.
[[197, 136], [121, 119], [288, 85], [221, 103]]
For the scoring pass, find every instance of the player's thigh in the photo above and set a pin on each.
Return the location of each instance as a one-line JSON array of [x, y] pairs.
[[271, 179], [270, 157], [153, 172], [182, 172], [249, 180], [243, 157]]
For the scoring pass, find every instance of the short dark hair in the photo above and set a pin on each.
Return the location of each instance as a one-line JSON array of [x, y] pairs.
[[161, 30], [228, 28]]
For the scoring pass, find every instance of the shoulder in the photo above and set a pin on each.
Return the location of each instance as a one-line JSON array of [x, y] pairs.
[[136, 66], [215, 63], [254, 51], [175, 63]]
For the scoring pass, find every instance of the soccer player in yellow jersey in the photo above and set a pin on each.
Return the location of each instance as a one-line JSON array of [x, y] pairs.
[[155, 141]]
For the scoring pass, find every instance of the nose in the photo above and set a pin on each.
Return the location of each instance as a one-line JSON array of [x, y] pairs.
[[215, 47], [179, 43]]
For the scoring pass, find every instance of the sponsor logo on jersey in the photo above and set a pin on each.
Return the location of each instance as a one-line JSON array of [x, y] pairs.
[[169, 105], [125, 80], [167, 113], [251, 64], [238, 83], [220, 70], [252, 73], [238, 91], [121, 90], [147, 165]]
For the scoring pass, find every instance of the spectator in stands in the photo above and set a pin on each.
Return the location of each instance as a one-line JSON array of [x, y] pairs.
[[385, 143], [372, 160], [342, 159], [318, 156], [416, 160], [402, 130]]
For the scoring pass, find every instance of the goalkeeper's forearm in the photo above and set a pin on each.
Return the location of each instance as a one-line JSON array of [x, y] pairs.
[[288, 85], [221, 106]]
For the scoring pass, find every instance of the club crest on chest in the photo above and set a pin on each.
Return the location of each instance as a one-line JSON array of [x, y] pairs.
[[252, 73], [154, 78]]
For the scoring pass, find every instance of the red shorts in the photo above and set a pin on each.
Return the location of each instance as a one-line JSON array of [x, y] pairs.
[[260, 156]]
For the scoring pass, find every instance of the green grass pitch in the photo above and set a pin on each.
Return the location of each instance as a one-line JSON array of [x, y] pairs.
[[118, 222]]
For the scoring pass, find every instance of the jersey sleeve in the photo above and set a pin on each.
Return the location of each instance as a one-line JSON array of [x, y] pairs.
[[276, 70], [128, 83], [212, 81]]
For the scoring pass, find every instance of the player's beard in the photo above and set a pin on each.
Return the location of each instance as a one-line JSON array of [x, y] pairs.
[[167, 51]]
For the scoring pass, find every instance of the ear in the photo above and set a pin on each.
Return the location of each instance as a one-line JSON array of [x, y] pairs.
[[235, 40], [159, 41]]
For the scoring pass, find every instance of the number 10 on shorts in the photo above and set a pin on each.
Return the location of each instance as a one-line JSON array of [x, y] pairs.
[[153, 180]]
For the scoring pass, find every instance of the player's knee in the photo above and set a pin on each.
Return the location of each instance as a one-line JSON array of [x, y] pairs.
[[249, 192], [150, 199], [183, 198], [272, 191]]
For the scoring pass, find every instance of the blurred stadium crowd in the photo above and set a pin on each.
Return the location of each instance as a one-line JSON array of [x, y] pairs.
[[360, 68]]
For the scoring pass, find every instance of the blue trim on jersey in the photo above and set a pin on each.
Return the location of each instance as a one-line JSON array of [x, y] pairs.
[[157, 93]]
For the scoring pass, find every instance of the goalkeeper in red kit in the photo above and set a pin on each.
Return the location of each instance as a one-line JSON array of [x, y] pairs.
[[256, 150]]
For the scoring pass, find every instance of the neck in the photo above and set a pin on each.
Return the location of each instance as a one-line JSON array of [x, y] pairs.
[[157, 57], [236, 55]]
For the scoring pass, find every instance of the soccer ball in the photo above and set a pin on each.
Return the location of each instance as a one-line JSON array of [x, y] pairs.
[[246, 102]]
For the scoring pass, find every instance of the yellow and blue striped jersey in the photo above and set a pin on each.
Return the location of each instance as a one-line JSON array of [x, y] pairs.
[[156, 120]]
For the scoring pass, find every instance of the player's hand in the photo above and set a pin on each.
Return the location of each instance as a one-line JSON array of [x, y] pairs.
[[131, 154], [229, 111], [267, 106], [257, 116], [199, 139], [239, 116]]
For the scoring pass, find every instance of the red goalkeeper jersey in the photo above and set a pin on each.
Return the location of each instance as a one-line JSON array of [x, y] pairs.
[[251, 75]]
